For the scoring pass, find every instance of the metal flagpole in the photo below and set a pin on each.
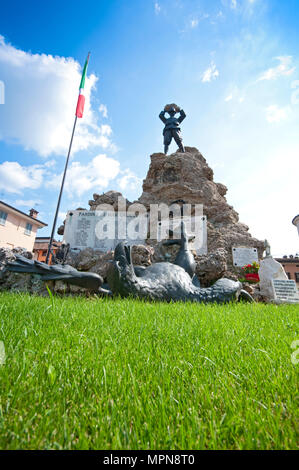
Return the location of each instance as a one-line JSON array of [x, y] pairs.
[[60, 194]]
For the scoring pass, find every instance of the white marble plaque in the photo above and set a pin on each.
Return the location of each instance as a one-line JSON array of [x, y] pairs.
[[103, 230], [285, 291], [196, 227], [244, 255]]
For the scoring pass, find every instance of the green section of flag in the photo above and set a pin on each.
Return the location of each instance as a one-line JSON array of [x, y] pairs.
[[82, 83]]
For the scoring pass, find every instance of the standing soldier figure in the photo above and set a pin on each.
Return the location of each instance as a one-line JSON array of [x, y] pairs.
[[172, 129]]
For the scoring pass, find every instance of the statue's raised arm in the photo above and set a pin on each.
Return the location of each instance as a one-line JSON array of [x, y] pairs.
[[162, 116], [182, 116]]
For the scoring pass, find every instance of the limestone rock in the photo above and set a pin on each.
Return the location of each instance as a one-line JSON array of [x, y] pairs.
[[110, 197], [165, 253], [6, 254], [86, 259], [179, 176], [18, 282], [211, 267], [230, 275], [60, 287], [98, 262], [91, 260], [270, 269], [60, 229], [248, 287], [254, 291], [142, 255], [102, 265]]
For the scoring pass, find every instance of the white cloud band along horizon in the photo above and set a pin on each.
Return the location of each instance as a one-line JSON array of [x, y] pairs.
[[40, 99]]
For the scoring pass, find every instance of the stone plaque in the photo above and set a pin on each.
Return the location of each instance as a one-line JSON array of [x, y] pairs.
[[244, 255], [103, 230], [196, 227], [285, 291]]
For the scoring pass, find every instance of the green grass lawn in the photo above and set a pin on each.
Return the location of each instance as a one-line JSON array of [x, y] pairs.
[[124, 374]]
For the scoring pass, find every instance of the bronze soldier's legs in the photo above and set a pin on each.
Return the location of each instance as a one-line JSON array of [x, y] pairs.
[[167, 140], [176, 134], [178, 138]]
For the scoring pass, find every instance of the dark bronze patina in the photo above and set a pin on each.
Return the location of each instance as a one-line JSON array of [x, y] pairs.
[[172, 126], [167, 281]]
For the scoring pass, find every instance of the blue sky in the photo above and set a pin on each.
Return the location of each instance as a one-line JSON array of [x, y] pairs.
[[232, 65]]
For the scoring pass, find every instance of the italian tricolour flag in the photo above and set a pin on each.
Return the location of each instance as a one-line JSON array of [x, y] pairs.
[[81, 97]]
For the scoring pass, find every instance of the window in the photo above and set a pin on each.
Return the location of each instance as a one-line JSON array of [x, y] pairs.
[[289, 275], [28, 229], [3, 217], [297, 277]]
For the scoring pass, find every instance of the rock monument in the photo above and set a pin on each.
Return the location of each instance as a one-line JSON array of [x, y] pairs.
[[180, 177], [183, 177], [187, 176]]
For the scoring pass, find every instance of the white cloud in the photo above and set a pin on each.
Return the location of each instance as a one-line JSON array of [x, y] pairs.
[[40, 99], [14, 178], [50, 163], [210, 74], [106, 130], [229, 97], [61, 215], [233, 4], [28, 203], [129, 180], [276, 114], [103, 109], [283, 69], [96, 174], [194, 23], [157, 8], [270, 209]]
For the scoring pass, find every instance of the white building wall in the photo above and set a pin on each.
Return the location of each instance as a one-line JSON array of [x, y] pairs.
[[12, 233]]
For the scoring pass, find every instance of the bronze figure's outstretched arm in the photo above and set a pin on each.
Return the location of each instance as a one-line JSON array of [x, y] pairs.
[[64, 273]]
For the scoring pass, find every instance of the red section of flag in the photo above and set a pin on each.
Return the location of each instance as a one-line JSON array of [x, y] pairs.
[[80, 106]]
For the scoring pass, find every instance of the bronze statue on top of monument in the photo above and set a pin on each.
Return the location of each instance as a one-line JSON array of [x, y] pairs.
[[172, 129]]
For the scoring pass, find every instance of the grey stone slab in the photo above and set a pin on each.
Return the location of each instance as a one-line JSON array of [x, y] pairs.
[[244, 255], [101, 230], [285, 291]]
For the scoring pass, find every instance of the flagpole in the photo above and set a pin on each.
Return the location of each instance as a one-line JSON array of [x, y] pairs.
[[60, 193], [79, 113]]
